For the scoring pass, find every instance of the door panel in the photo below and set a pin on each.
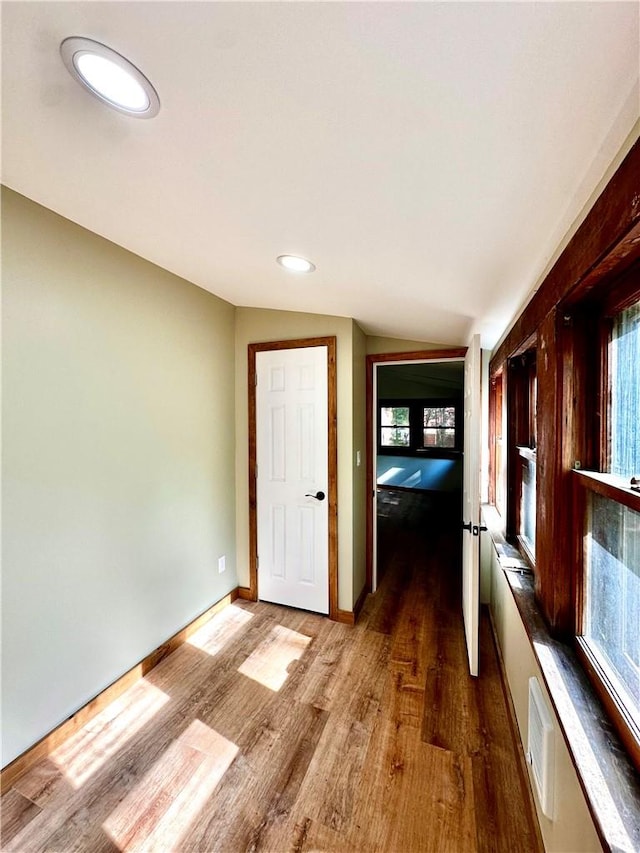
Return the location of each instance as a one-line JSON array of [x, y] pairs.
[[292, 471], [471, 502]]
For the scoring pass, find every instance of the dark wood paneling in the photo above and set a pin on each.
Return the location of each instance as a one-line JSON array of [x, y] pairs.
[[608, 237], [552, 531]]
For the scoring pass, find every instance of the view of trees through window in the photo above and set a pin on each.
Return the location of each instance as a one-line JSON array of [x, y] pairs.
[[612, 527], [439, 426], [418, 425], [394, 426], [624, 367]]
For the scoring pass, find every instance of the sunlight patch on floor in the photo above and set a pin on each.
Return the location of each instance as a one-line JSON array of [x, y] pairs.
[[269, 663], [218, 631], [85, 752], [388, 475], [157, 814]]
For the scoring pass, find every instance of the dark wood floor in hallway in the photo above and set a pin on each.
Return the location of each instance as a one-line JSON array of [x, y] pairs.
[[277, 730]]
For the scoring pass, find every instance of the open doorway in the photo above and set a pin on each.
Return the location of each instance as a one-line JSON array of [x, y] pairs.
[[415, 458]]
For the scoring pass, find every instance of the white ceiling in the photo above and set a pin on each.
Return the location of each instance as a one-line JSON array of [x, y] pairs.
[[427, 157]]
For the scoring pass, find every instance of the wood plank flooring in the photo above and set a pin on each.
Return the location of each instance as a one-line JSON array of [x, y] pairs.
[[276, 730]]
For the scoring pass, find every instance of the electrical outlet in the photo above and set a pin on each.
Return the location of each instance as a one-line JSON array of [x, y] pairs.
[[221, 565]]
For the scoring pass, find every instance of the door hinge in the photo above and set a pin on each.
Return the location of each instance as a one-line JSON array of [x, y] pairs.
[[255, 379], [257, 562]]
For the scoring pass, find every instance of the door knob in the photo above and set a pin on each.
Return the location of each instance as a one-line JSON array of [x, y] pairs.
[[319, 496]]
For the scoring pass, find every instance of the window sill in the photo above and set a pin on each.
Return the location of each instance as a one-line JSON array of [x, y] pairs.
[[528, 453], [429, 452], [610, 486], [607, 777]]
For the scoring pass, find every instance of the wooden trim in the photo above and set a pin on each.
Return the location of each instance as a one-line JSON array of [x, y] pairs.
[[347, 617], [496, 439], [604, 398], [370, 484], [526, 552], [453, 354], [624, 724], [622, 256], [609, 486], [418, 355], [518, 425], [46, 745], [333, 476], [584, 482], [625, 293], [493, 396], [608, 235], [528, 453], [579, 518], [332, 457], [253, 485], [244, 592]]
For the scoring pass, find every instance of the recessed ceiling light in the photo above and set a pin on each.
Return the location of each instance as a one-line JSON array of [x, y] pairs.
[[110, 77], [295, 264]]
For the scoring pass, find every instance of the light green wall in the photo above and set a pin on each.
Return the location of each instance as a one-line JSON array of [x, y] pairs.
[[118, 472], [255, 325], [379, 346]]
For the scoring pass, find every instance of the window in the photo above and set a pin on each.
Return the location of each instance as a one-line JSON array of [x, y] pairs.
[[419, 426], [624, 380], [439, 426], [608, 605], [527, 498], [523, 394], [394, 426], [496, 472], [612, 595]]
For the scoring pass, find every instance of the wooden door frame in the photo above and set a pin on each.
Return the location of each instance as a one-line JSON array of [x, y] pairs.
[[372, 360], [332, 487]]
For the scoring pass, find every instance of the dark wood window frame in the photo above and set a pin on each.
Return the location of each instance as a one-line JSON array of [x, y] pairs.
[[416, 411], [596, 480], [496, 442], [604, 246], [521, 441]]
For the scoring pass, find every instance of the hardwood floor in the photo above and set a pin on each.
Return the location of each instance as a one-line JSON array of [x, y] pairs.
[[274, 729]]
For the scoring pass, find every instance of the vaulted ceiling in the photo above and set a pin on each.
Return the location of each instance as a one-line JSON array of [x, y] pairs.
[[427, 157]]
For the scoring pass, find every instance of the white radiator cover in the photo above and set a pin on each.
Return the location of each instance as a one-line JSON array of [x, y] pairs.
[[540, 747]]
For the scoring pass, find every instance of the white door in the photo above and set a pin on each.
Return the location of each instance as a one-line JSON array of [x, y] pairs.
[[471, 502], [293, 477]]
